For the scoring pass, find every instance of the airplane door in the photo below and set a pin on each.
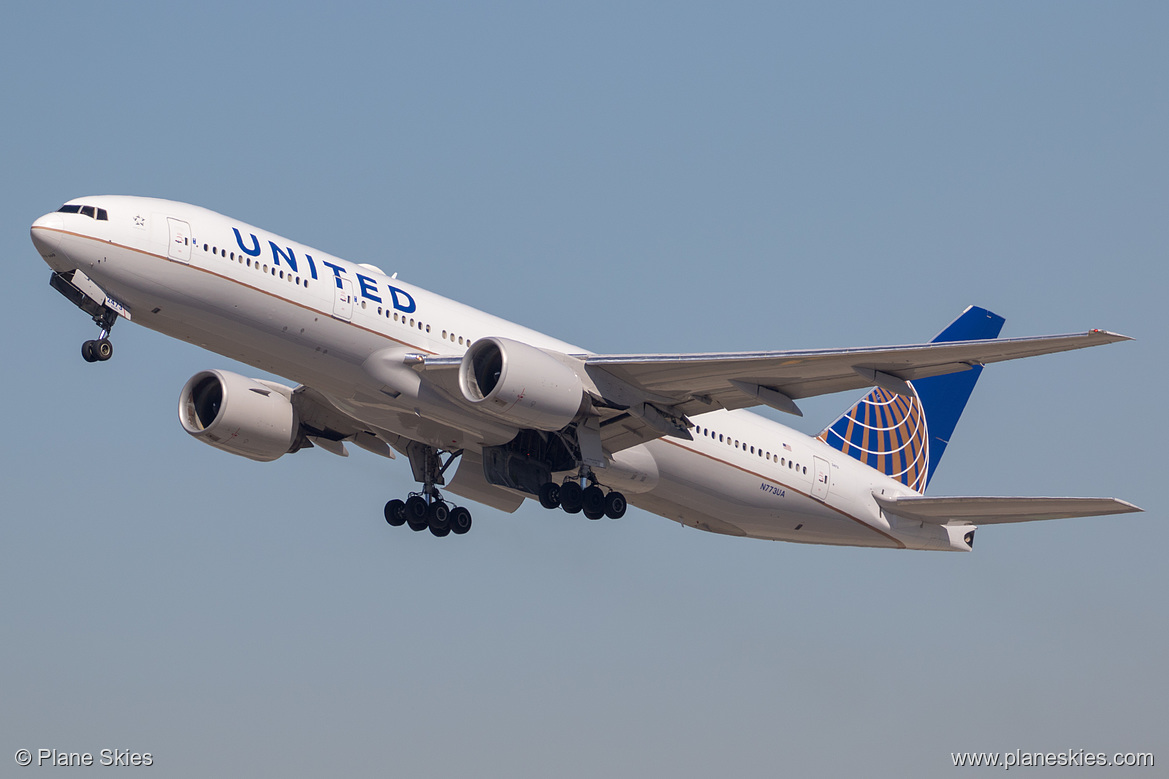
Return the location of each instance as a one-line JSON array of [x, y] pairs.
[[180, 240], [343, 300], [821, 478]]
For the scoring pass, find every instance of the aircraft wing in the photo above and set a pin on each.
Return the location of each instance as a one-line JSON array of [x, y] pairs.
[[675, 385], [999, 510]]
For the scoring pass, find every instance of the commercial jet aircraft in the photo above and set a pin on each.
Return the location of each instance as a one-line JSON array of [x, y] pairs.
[[388, 366]]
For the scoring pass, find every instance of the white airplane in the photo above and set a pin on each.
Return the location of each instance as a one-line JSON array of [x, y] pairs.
[[387, 366]]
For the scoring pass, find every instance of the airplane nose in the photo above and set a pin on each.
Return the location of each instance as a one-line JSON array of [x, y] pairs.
[[46, 233]]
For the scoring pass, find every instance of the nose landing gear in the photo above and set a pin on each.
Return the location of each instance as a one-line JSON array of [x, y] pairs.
[[83, 293], [97, 351]]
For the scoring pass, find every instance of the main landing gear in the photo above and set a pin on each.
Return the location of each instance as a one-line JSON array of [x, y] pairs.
[[421, 511], [427, 509], [592, 500]]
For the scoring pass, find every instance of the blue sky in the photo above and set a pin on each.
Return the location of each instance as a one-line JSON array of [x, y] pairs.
[[630, 178]]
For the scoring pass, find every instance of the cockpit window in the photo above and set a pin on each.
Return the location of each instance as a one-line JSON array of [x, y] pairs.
[[100, 214]]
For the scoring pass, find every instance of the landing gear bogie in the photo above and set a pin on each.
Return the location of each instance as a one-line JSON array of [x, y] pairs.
[[593, 501], [427, 510], [433, 514]]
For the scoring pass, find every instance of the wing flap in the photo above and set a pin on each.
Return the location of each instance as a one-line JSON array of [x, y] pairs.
[[999, 510]]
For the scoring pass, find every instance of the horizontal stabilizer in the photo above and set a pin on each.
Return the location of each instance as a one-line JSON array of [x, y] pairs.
[[998, 510]]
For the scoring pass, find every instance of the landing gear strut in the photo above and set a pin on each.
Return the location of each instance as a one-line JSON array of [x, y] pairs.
[[101, 349], [87, 296], [427, 509]]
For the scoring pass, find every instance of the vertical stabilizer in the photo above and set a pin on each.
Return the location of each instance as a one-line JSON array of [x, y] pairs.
[[905, 436]]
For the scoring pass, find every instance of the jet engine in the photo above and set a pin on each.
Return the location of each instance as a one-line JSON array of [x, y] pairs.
[[520, 384], [239, 415]]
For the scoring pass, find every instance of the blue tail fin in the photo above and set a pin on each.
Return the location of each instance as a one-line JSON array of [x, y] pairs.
[[905, 438]]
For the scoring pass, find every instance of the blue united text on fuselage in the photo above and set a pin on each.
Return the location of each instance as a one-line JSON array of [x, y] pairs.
[[399, 298]]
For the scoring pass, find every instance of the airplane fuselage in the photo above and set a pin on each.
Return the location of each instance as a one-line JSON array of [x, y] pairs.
[[316, 319]]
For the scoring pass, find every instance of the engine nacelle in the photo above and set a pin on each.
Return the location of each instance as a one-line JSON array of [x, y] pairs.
[[238, 415], [520, 384]]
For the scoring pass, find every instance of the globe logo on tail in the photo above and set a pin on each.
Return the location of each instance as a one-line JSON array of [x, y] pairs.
[[887, 432]]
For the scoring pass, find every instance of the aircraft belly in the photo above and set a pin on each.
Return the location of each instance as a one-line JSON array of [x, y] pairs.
[[700, 491]]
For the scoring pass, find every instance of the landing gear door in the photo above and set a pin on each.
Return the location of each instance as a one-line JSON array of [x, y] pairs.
[[180, 240], [343, 300], [821, 478]]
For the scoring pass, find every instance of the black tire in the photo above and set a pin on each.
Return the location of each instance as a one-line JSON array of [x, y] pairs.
[[570, 497], [441, 532], [594, 514], [88, 352], [460, 521], [395, 513], [438, 515], [103, 350], [417, 527], [593, 500], [550, 495], [615, 505], [416, 509]]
